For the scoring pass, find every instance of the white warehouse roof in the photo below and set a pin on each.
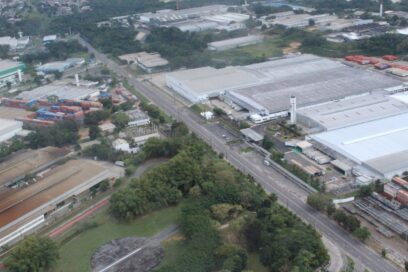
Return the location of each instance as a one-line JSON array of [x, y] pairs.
[[9, 128], [202, 83], [380, 145], [352, 111]]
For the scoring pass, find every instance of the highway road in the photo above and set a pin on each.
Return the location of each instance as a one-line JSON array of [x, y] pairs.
[[267, 177]]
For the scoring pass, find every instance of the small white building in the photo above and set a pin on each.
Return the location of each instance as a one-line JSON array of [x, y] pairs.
[[137, 118], [49, 39], [207, 115], [107, 128], [123, 145]]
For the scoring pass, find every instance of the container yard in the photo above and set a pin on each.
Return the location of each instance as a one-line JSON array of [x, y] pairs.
[[23, 207], [50, 112], [389, 63]]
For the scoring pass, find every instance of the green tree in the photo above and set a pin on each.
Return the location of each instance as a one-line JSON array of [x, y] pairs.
[[94, 132], [120, 120], [318, 201], [33, 254], [365, 190], [362, 233]]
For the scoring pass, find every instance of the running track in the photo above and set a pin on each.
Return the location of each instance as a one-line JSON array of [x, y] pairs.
[[78, 218]]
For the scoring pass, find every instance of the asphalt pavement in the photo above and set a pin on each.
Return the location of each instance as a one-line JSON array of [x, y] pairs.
[[267, 177]]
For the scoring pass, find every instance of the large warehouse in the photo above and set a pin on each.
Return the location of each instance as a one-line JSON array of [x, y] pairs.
[[26, 208], [380, 145], [349, 112], [60, 89], [265, 88]]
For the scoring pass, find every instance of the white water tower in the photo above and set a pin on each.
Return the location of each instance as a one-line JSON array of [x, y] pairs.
[[293, 109]]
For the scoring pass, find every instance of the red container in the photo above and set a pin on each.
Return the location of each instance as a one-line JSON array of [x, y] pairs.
[[399, 181], [402, 196], [390, 57]]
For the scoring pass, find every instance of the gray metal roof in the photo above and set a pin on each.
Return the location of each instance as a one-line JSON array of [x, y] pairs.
[[252, 134], [312, 80], [353, 111]]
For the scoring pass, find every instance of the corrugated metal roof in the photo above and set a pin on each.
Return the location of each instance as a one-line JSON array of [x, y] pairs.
[[382, 143]]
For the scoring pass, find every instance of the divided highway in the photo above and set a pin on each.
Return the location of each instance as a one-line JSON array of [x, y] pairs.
[[266, 176]]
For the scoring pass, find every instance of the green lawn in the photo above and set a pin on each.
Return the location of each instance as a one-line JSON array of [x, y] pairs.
[[254, 264], [76, 253], [172, 250], [271, 47]]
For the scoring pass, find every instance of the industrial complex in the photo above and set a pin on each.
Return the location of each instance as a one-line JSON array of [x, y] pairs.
[[345, 112], [197, 19], [265, 88]]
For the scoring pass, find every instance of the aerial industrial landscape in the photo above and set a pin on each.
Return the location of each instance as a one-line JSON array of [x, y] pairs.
[[204, 135]]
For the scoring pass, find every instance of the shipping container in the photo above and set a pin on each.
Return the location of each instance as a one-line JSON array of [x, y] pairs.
[[402, 196], [390, 57], [399, 181], [391, 189]]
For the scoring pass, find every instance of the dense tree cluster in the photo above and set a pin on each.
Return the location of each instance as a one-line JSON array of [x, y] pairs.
[[63, 133], [181, 48], [385, 44], [350, 223], [7, 149], [216, 192], [284, 242], [55, 51], [33, 254]]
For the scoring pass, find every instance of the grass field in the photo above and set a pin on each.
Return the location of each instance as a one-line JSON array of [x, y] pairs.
[[75, 254], [254, 264], [271, 47]]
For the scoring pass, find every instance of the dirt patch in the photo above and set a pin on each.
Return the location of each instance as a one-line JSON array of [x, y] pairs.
[[149, 256], [293, 47]]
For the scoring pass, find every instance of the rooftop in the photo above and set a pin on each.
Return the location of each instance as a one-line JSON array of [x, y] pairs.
[[381, 143], [252, 134], [61, 90], [9, 64], [312, 80], [236, 41], [353, 111]]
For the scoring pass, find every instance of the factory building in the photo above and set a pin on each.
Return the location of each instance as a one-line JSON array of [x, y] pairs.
[[60, 90], [23, 209], [200, 84], [379, 146], [9, 129], [11, 71], [235, 43], [351, 111], [266, 88], [197, 19], [148, 62]]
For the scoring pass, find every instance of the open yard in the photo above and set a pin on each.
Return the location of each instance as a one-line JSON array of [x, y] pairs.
[[78, 244], [271, 47]]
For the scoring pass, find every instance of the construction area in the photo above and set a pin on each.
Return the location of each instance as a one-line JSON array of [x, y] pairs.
[[25, 207]]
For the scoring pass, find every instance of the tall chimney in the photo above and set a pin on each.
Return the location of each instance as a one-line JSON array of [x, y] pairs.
[[381, 10], [77, 80], [293, 109]]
